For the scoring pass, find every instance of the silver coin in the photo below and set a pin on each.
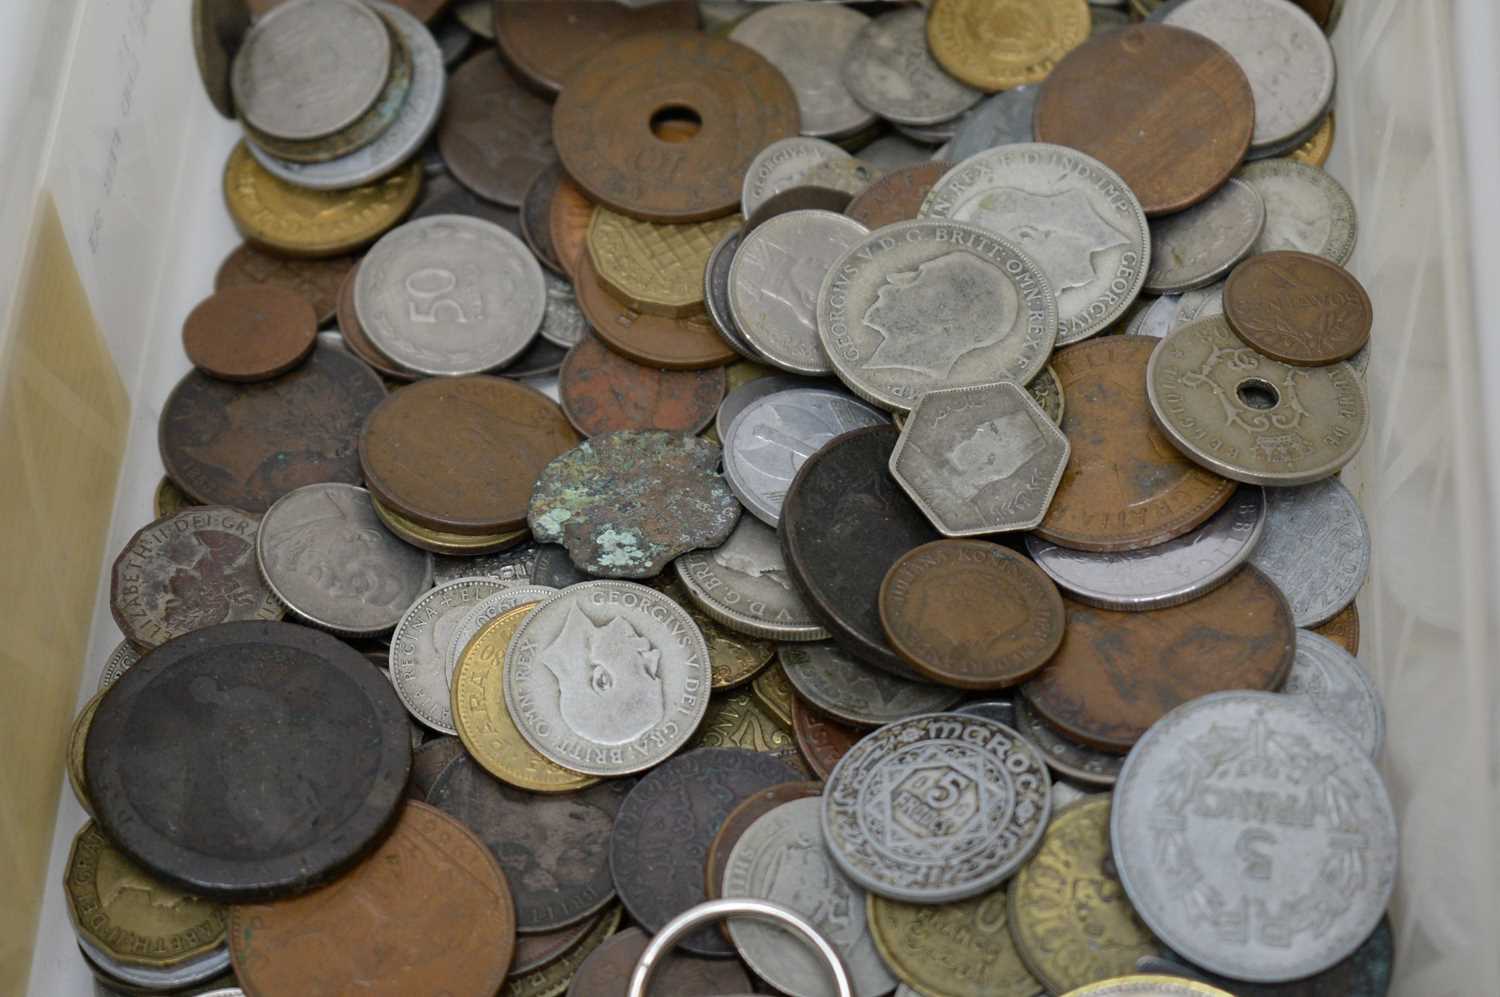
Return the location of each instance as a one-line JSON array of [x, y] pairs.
[[771, 438], [450, 295], [891, 152], [562, 322], [117, 664], [889, 69], [808, 43], [1171, 312], [781, 858], [1316, 549], [780, 166], [607, 678], [1250, 418], [398, 143], [1064, 756], [716, 295], [1002, 711], [324, 553], [193, 972], [936, 808], [484, 612], [1282, 50], [849, 690], [1069, 212], [938, 134], [513, 566], [419, 649], [1202, 244], [744, 585], [1201, 303], [978, 460], [417, 731], [1306, 209], [310, 68], [1003, 119], [774, 281], [1293, 143], [1155, 320], [740, 398], [1254, 837], [1168, 574], [1339, 688]]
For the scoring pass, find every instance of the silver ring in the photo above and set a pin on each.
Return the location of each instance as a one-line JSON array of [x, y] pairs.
[[715, 910]]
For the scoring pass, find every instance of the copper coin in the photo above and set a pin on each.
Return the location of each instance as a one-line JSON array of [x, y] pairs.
[[1126, 486], [246, 445], [354, 334], [460, 454], [606, 972], [568, 218], [1118, 673], [602, 391], [687, 343], [1298, 308], [536, 217], [429, 912], [822, 741], [971, 613], [603, 123], [545, 42], [1167, 109], [535, 951], [739, 821], [897, 196], [316, 280], [250, 333], [494, 135], [1343, 629]]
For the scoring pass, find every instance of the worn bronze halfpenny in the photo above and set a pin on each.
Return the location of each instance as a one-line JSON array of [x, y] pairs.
[[316, 280], [354, 335], [606, 973], [545, 43], [689, 343], [1117, 673], [602, 391], [897, 196], [823, 741], [1298, 308], [495, 135], [250, 333], [568, 218], [739, 821], [1343, 629]]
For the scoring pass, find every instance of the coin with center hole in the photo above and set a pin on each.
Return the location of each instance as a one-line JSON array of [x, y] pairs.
[[1298, 308], [602, 391], [495, 135], [854, 693], [1200, 245]]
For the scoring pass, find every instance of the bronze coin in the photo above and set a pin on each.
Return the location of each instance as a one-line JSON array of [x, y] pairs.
[[428, 762], [461, 454], [494, 135], [897, 196], [354, 334], [1343, 629], [1118, 673], [546, 42], [316, 280], [606, 972], [246, 445], [822, 741], [687, 343], [602, 391], [1126, 486], [250, 333], [1298, 308], [603, 123], [738, 822], [1167, 109], [535, 951], [536, 217], [971, 614], [568, 218], [376, 930]]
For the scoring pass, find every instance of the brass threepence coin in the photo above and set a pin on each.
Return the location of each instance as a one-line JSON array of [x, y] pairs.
[[999, 45], [250, 333], [1298, 308], [545, 43], [733, 658], [602, 391], [78, 736], [355, 339], [735, 719], [1316, 150], [956, 949], [606, 973], [653, 267], [318, 281], [822, 741], [738, 822], [773, 690], [494, 135], [687, 343], [897, 196], [568, 218]]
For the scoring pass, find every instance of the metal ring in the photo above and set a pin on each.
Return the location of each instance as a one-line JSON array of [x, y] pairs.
[[714, 910]]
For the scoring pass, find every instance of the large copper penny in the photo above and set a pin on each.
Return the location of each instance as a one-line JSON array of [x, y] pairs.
[[429, 912], [569, 216], [461, 454], [739, 821], [606, 972], [971, 613], [897, 196], [1126, 486], [495, 135], [1117, 673], [602, 391], [546, 41], [822, 741], [316, 280], [1298, 308], [606, 120], [1166, 108], [354, 335], [690, 343], [250, 333], [1343, 629]]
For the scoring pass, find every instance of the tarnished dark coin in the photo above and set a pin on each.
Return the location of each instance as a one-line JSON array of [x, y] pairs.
[[601, 391], [494, 134], [606, 973], [897, 196], [540, 359], [545, 43], [355, 339], [316, 280], [687, 343], [250, 333], [1117, 673], [852, 692], [666, 824], [219, 27], [568, 218], [1298, 308], [248, 760], [1343, 629], [554, 848], [555, 569], [536, 215], [738, 822], [1066, 758], [246, 445], [536, 951], [823, 741], [428, 762], [442, 195]]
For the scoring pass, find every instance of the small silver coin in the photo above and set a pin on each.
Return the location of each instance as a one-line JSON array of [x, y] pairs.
[[1254, 837], [938, 134], [1155, 320], [808, 43], [1171, 312], [1168, 574], [890, 70], [745, 586], [1307, 210], [781, 858], [1065, 757], [1002, 119], [513, 566], [1316, 548], [1069, 212], [770, 439], [189, 974], [737, 400], [326, 556], [1250, 418], [936, 808], [488, 609], [1198, 246], [1002, 711], [774, 280], [419, 649], [118, 662], [1339, 688], [978, 460], [562, 322], [607, 678], [780, 166], [851, 691], [716, 295], [450, 295], [891, 152]]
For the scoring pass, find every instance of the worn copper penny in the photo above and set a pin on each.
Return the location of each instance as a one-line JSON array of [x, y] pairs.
[[1343, 629], [1118, 673], [971, 613], [1298, 308], [536, 217], [250, 333], [547, 42], [316, 280], [897, 196], [606, 973], [690, 343], [495, 135], [605, 121], [602, 391], [428, 913], [823, 741], [354, 334], [246, 445], [460, 454], [739, 821], [568, 218], [1126, 486], [1166, 108]]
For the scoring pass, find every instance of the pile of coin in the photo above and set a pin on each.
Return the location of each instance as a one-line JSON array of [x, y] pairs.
[[932, 528]]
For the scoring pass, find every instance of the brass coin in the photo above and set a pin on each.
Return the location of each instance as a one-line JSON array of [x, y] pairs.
[[316, 280], [736, 720], [1000, 44], [250, 333], [1343, 629], [1298, 308], [77, 739], [733, 658], [822, 741], [1316, 150], [957, 949], [653, 267], [773, 690], [442, 541], [568, 218], [690, 343], [169, 499]]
